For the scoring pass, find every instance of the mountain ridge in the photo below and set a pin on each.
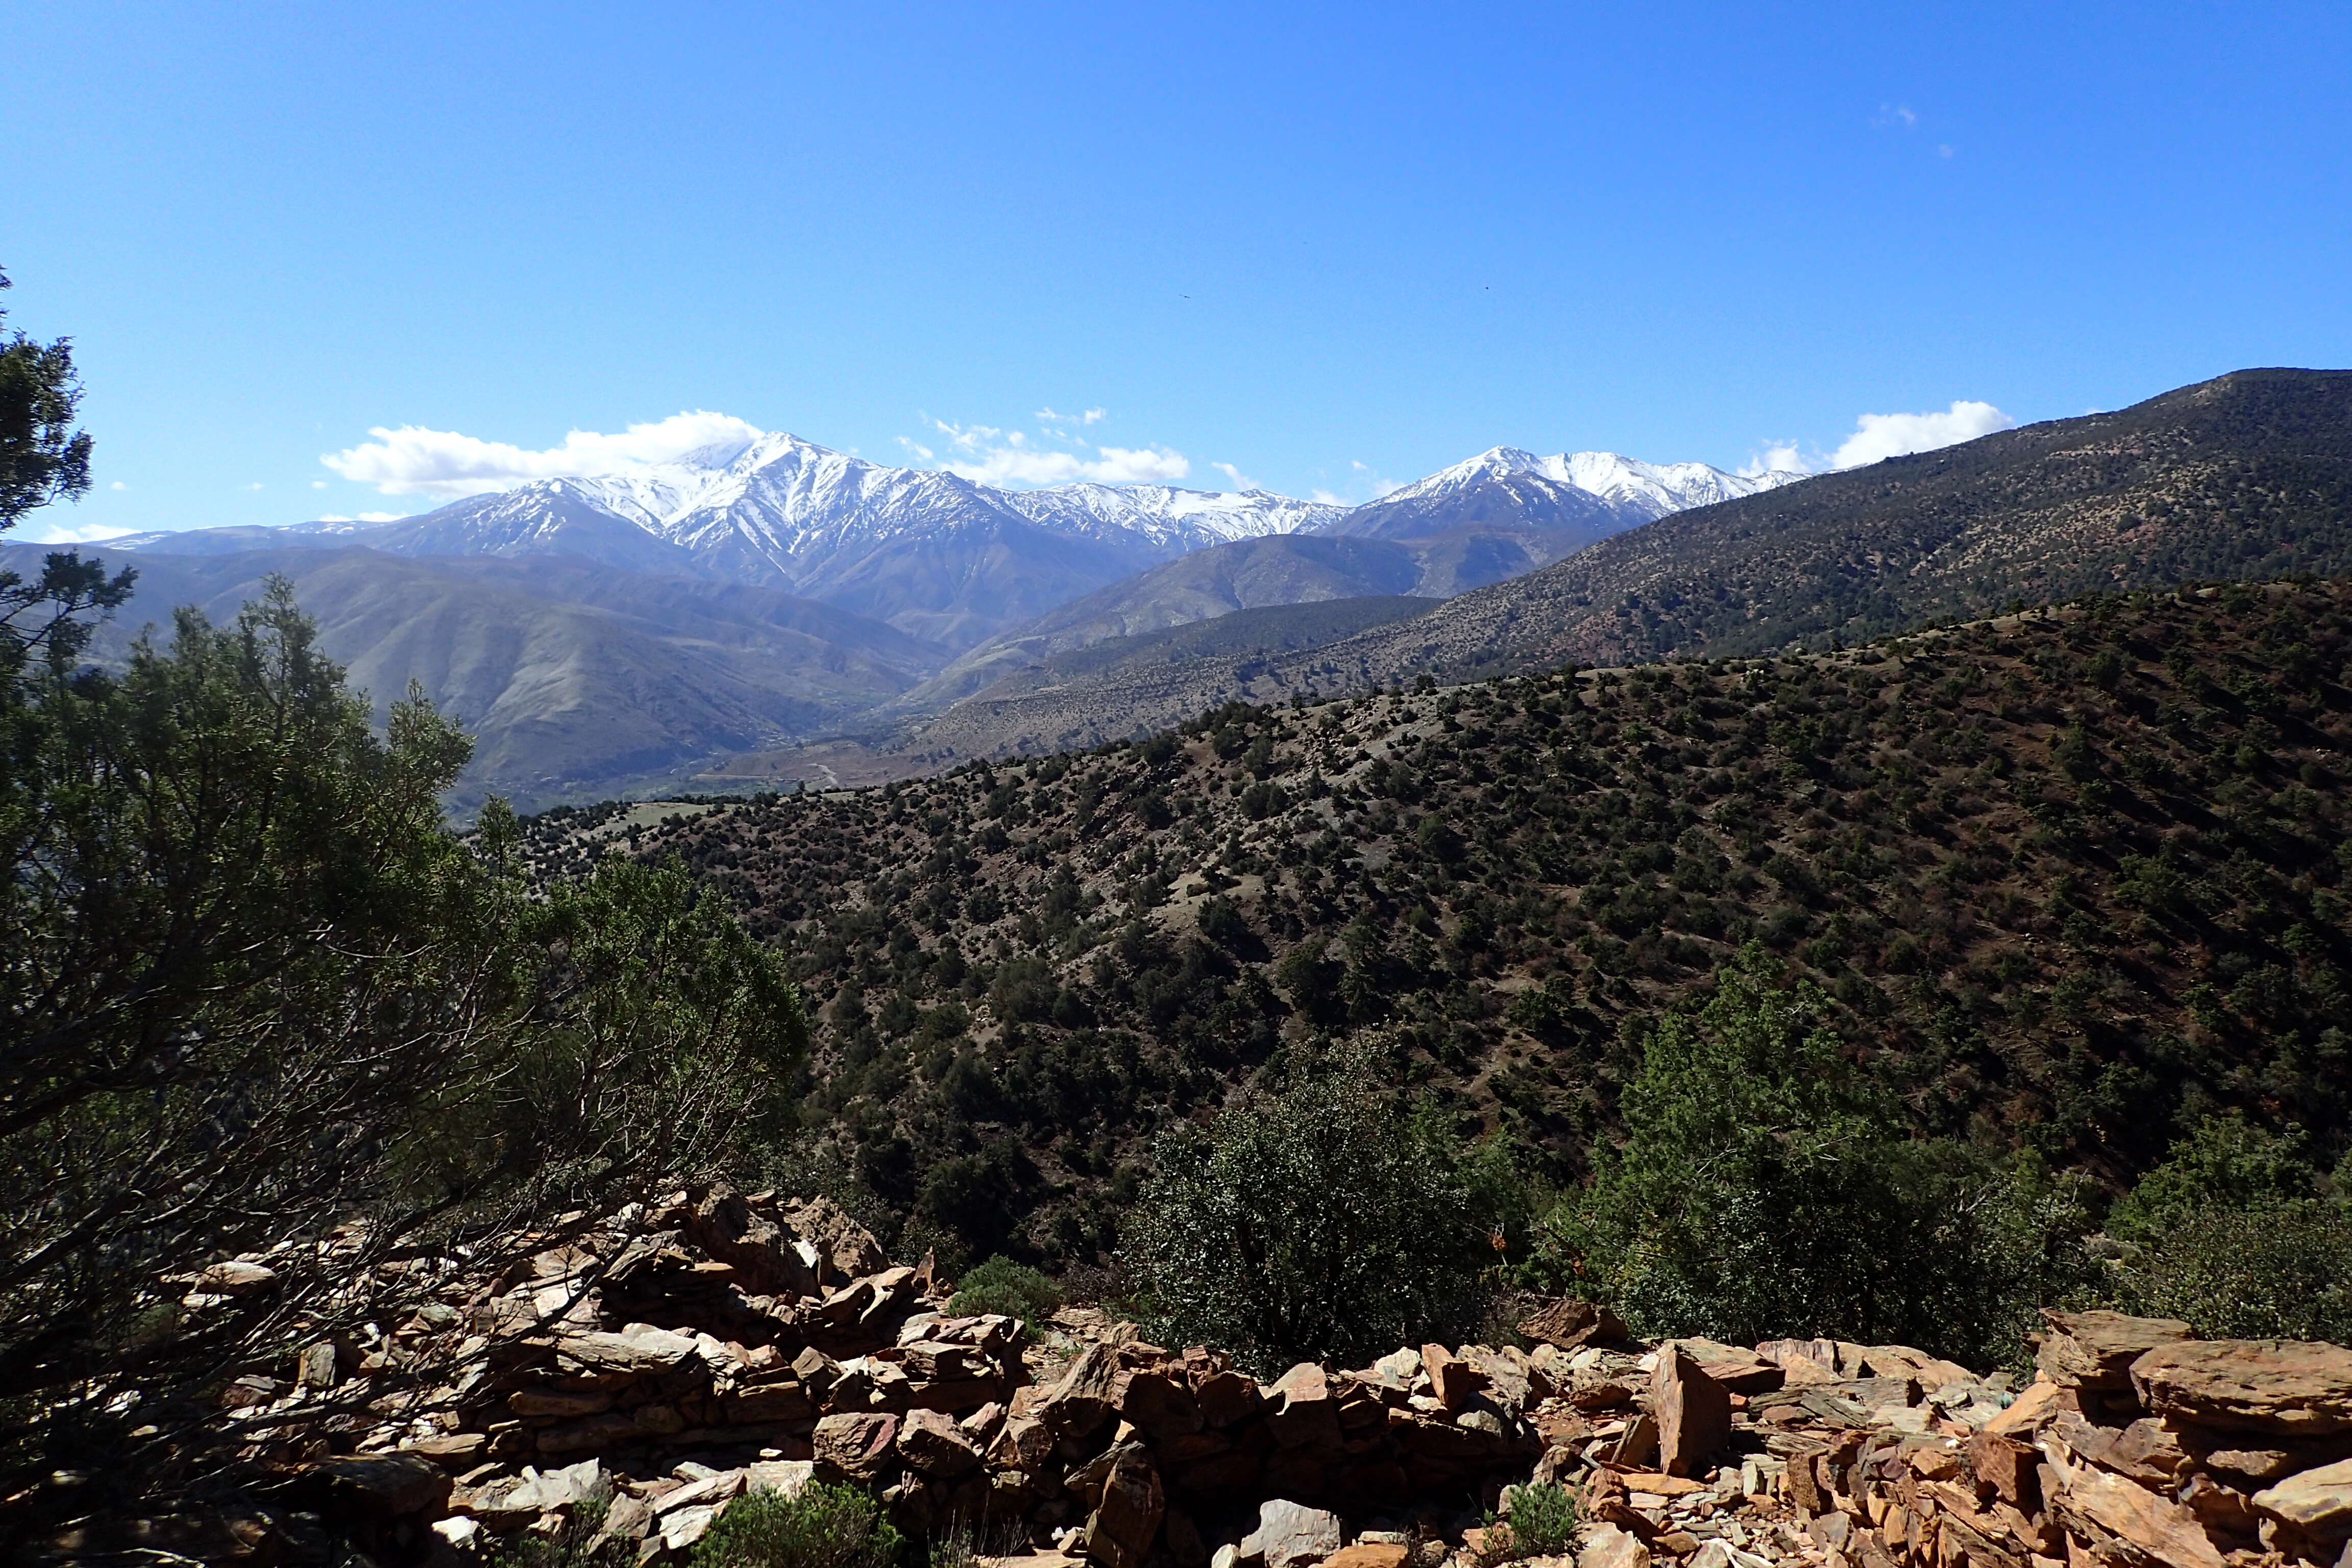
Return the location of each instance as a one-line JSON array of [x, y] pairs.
[[2248, 475]]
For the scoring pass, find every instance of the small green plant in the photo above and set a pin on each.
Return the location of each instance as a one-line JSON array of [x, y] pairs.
[[1011, 1289], [822, 1526], [2231, 1234], [1543, 1519]]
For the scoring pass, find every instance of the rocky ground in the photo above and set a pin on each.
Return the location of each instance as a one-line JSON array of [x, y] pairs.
[[667, 1359]]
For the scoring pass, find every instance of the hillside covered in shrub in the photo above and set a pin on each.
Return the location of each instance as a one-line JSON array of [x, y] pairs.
[[2071, 879]]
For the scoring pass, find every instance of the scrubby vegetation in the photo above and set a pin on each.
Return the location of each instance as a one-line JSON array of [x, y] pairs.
[[1767, 1185], [1315, 1221], [2240, 1236], [822, 1526], [2066, 883], [1014, 1289]]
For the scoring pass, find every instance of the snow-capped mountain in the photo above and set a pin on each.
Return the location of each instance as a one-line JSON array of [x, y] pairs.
[[941, 557], [1642, 493]]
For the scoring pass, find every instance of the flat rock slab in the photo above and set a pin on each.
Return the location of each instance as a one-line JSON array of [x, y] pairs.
[[1289, 1532], [2096, 1350], [2277, 1387], [2318, 1503]]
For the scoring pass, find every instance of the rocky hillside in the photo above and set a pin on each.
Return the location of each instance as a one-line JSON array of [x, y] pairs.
[[2248, 476], [648, 1371], [2072, 879]]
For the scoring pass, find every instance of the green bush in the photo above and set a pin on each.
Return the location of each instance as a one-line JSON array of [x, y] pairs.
[[1543, 1519], [1316, 1220], [1765, 1187], [2229, 1234], [1013, 1290], [823, 1526]]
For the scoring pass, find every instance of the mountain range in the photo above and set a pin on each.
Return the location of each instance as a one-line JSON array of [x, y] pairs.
[[2248, 476], [611, 633], [717, 617], [942, 558]]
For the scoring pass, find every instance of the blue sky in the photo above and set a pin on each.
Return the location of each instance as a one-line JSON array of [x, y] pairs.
[[1319, 247]]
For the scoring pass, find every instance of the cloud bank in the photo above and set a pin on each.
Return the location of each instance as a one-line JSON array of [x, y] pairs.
[[1880, 436], [413, 460], [998, 456]]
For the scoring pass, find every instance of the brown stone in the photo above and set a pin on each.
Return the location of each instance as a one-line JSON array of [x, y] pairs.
[[1160, 1405], [1638, 1444], [1570, 1324], [2317, 1502], [2028, 1412], [932, 1443], [1023, 1443], [1740, 1371], [1453, 1380], [1804, 1486], [2130, 1526], [1693, 1412], [855, 1443], [1368, 1555], [2007, 1465], [761, 1253], [844, 1248], [591, 1400], [1086, 1396], [1612, 1546], [2274, 1387], [451, 1450], [1305, 1414], [2096, 1350], [1120, 1530], [1226, 1398]]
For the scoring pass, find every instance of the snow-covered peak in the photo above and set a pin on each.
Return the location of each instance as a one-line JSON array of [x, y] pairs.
[[1650, 490], [1167, 516]]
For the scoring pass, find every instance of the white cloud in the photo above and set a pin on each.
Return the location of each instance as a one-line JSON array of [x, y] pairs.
[[1896, 114], [1329, 498], [317, 484], [993, 455], [1090, 416], [49, 532], [364, 517], [1775, 458], [1241, 481], [413, 460], [1016, 462], [1882, 435], [118, 485], [255, 486]]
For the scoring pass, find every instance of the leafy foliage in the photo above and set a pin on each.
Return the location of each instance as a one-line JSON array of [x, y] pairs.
[[822, 1526], [1013, 1290], [2232, 1235], [253, 992], [1543, 1519], [1310, 1222], [2067, 881], [1764, 1187], [43, 458]]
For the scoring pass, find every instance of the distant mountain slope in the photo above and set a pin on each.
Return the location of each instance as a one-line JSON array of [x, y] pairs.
[[1250, 574], [2249, 475], [2068, 881], [929, 551], [2246, 476], [575, 678], [954, 561]]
